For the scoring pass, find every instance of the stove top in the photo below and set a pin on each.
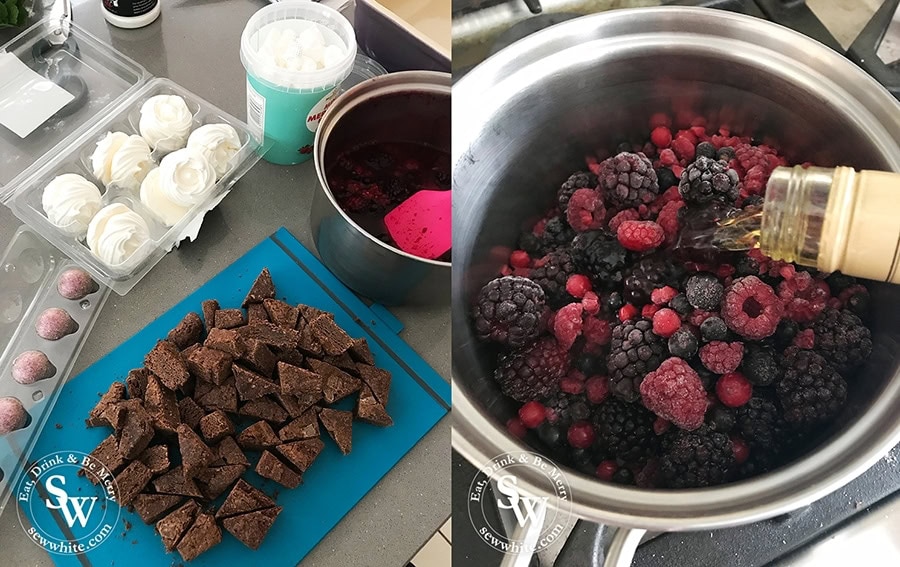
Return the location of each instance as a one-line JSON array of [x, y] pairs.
[[872, 501]]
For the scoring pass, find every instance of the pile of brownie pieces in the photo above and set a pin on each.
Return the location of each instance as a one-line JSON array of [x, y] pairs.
[[275, 366]]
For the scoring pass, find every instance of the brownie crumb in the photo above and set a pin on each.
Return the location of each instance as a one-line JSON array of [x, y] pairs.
[[271, 467], [187, 332], [166, 362], [262, 288], [216, 426], [339, 425]]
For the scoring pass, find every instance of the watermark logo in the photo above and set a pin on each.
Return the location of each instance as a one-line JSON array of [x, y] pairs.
[[71, 503], [541, 519]]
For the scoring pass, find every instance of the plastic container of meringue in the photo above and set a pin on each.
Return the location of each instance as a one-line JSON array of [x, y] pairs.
[[48, 306], [123, 166]]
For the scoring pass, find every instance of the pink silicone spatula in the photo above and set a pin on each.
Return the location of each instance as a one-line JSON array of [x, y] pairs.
[[422, 224]]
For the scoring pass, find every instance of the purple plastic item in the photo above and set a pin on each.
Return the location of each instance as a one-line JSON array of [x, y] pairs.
[[422, 224]]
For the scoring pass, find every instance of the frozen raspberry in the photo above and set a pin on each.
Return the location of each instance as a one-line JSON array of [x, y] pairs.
[[661, 137], [532, 414], [804, 297], [751, 308], [663, 295], [740, 448], [640, 236], [622, 216], [567, 325], [721, 357], [674, 392], [597, 333], [698, 316], [572, 383], [586, 210], [669, 221], [683, 147], [734, 390], [591, 303], [666, 322], [606, 470], [519, 259], [516, 428], [805, 339], [581, 435], [577, 285], [597, 389], [668, 158], [628, 312]]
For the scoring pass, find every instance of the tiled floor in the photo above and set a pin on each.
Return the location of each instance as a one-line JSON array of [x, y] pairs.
[[436, 551]]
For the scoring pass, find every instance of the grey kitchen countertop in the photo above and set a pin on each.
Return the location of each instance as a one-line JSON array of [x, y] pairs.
[[195, 43]]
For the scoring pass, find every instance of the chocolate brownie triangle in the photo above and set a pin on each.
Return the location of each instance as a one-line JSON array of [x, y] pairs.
[[301, 454], [360, 352], [156, 458], [269, 466], [308, 344], [299, 381], [210, 364], [223, 397], [308, 313], [195, 454], [250, 529], [291, 356], [187, 332], [230, 454], [107, 454], [369, 409], [304, 427], [256, 313], [162, 406], [271, 335], [229, 318], [131, 481], [378, 379], [216, 480], [216, 426], [136, 382], [166, 362], [137, 429], [200, 538], [281, 313], [190, 412], [262, 288], [174, 482], [336, 384], [227, 341], [331, 336], [243, 499], [294, 405], [265, 408], [173, 527], [257, 437], [113, 396], [343, 361], [250, 385], [259, 356], [339, 425], [209, 308], [152, 507]]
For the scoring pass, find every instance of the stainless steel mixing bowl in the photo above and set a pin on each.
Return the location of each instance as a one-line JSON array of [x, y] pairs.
[[527, 117]]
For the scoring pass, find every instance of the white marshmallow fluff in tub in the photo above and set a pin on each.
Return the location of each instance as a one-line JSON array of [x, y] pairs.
[[297, 46]]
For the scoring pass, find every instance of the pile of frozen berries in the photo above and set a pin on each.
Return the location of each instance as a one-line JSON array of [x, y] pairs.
[[642, 366]]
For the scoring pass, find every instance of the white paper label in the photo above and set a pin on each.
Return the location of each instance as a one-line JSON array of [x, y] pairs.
[[27, 99], [256, 111]]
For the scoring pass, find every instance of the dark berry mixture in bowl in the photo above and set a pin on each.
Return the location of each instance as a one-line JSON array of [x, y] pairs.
[[638, 363], [371, 180]]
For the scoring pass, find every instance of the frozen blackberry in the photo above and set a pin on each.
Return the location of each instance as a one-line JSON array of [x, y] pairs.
[[713, 329], [725, 153], [720, 418], [635, 350], [842, 338], [746, 266], [759, 462], [647, 274], [811, 390], [590, 365], [706, 150], [532, 372], [557, 234], [760, 366], [704, 291], [694, 459], [509, 310], [683, 344], [531, 243], [759, 423], [628, 180], [707, 180], [665, 178], [626, 430], [563, 408], [552, 276], [680, 304], [600, 256], [576, 181]]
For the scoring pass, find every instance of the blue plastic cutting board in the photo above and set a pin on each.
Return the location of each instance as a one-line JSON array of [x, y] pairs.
[[333, 485]]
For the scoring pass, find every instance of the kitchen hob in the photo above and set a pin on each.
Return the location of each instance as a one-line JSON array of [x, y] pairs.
[[859, 520]]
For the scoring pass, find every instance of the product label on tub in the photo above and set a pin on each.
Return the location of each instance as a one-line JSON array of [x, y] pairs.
[[318, 111], [256, 111]]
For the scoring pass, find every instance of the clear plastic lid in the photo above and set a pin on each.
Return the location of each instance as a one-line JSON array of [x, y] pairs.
[[42, 69]]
